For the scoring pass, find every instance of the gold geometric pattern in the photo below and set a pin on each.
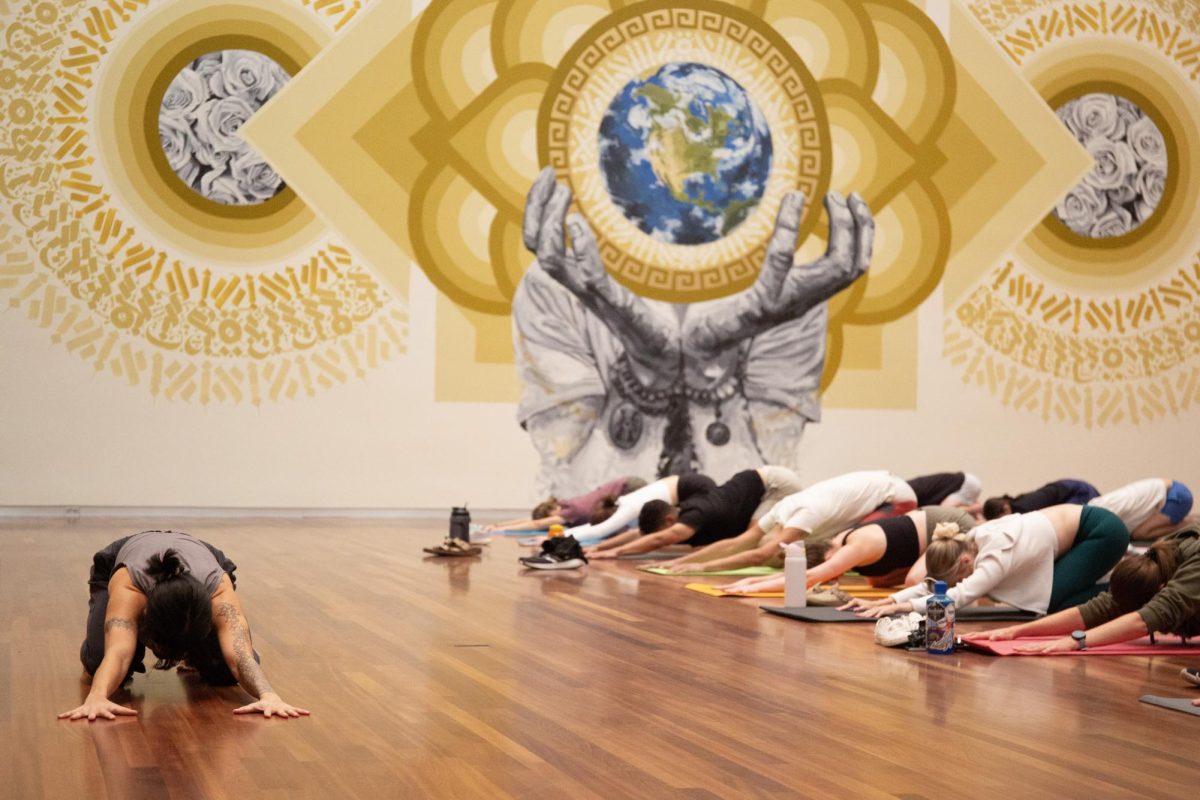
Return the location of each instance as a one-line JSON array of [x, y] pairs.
[[636, 41], [1083, 335], [463, 89], [191, 304]]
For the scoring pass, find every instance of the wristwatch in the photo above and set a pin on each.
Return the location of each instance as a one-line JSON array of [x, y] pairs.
[[1080, 638]]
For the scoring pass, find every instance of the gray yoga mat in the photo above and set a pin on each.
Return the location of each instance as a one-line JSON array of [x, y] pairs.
[[968, 614], [1183, 704]]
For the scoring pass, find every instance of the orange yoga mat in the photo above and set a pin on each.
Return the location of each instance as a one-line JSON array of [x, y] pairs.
[[866, 592]]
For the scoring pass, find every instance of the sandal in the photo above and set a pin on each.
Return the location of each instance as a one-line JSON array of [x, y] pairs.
[[454, 547], [822, 596]]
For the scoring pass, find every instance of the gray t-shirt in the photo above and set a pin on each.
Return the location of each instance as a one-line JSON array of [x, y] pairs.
[[935, 515], [199, 561]]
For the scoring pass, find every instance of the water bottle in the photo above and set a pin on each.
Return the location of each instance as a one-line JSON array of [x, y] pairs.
[[795, 575], [939, 622], [460, 523]]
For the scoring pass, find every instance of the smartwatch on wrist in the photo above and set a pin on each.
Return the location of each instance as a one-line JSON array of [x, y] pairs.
[[1080, 638]]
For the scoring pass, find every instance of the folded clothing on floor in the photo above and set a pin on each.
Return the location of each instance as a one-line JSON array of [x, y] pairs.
[[1138, 647]]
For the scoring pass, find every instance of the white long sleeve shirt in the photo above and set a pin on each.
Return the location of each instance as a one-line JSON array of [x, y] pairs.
[[1014, 565]]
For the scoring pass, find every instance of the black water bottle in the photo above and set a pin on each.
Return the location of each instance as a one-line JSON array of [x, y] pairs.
[[460, 524]]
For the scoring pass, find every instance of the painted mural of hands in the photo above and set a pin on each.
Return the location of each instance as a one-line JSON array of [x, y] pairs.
[[786, 290], [650, 342]]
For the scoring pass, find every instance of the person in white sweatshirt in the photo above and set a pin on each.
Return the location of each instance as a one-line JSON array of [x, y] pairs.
[[1042, 561]]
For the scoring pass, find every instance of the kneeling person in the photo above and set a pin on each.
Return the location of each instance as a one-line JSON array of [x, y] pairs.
[[708, 517]]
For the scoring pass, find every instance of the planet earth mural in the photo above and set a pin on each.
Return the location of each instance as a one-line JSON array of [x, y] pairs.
[[685, 153]]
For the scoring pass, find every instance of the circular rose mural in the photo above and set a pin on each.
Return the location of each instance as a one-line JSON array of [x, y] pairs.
[[198, 122], [1126, 185]]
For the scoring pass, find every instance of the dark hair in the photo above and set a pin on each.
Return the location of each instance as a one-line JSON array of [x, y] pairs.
[[996, 507], [545, 508], [1136, 579], [653, 516], [605, 508], [178, 620], [815, 551]]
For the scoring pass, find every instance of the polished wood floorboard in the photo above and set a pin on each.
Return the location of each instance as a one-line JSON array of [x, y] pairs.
[[473, 679]]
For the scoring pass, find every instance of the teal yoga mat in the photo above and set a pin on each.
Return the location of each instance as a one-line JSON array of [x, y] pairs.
[[742, 571]]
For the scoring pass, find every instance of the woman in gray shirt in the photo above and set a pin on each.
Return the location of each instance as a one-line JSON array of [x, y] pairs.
[[174, 594]]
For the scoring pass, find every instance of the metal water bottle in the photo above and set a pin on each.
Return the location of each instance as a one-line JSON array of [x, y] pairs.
[[795, 575], [460, 523]]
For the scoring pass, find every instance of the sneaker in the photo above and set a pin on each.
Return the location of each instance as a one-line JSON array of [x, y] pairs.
[[895, 631], [562, 552], [1190, 674]]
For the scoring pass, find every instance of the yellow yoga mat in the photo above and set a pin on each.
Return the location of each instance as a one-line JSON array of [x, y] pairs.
[[866, 592]]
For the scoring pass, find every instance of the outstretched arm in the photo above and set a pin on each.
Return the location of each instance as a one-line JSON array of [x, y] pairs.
[[1122, 629], [125, 606], [233, 632], [785, 290], [527, 524], [650, 542], [761, 554], [725, 547]]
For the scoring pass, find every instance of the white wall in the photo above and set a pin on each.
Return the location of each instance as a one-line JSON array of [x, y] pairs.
[[71, 436]]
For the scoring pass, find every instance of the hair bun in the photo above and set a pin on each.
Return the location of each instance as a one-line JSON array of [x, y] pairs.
[[948, 530], [166, 567]]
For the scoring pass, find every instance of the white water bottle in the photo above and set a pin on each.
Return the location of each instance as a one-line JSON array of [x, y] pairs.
[[795, 575]]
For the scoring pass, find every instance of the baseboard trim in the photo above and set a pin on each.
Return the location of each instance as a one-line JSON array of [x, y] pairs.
[[180, 512]]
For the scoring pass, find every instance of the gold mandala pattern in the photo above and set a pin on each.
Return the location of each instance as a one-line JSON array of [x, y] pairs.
[[79, 267], [636, 40], [1057, 341]]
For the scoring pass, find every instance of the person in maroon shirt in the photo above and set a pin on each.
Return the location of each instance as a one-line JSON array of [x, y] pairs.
[[591, 507]]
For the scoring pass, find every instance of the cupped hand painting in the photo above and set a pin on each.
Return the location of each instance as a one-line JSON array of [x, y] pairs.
[[199, 121], [685, 153], [1125, 187]]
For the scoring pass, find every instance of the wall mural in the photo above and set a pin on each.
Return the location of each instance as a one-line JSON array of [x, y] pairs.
[[184, 184], [1094, 317], [139, 230]]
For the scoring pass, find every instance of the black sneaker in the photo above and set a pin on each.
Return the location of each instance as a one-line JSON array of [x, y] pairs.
[[1191, 675], [561, 552]]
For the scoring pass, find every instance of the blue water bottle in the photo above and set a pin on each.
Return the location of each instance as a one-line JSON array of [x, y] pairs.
[[939, 622]]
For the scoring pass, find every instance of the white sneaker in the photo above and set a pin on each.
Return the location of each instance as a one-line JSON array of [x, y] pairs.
[[894, 631]]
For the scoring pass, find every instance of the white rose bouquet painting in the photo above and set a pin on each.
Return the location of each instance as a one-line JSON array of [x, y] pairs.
[[198, 122], [1126, 185]]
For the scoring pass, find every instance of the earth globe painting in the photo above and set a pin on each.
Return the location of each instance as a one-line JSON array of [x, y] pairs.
[[685, 153]]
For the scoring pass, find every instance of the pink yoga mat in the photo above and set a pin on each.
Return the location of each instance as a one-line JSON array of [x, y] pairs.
[[1164, 645]]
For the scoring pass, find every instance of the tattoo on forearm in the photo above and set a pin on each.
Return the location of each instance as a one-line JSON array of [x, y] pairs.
[[118, 622], [249, 673]]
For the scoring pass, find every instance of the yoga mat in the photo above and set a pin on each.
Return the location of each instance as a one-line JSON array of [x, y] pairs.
[[1139, 647], [742, 571], [1183, 704], [648, 557], [866, 592], [969, 614]]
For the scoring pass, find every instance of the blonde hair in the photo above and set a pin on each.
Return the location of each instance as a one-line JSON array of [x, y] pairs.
[[947, 545]]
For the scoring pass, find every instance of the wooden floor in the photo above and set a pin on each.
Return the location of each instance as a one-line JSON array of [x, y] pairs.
[[471, 678]]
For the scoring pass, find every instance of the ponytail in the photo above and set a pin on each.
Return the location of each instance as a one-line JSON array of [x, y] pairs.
[[947, 545], [165, 567]]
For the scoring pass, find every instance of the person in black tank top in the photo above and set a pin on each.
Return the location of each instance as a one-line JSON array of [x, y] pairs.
[[885, 551]]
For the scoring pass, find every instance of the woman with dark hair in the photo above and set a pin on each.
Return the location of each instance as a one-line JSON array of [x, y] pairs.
[[1158, 591], [174, 594]]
